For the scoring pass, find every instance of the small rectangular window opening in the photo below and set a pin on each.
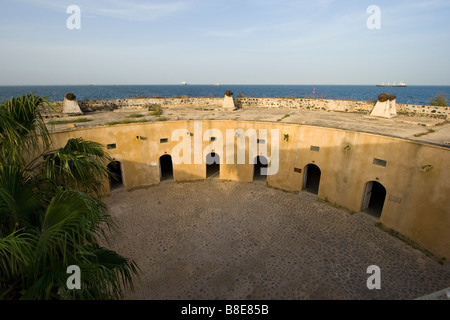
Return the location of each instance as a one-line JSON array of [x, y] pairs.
[[262, 141], [164, 140], [212, 139], [379, 162], [314, 148], [395, 199], [111, 146]]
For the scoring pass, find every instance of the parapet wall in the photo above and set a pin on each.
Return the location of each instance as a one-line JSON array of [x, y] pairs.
[[137, 103], [351, 106]]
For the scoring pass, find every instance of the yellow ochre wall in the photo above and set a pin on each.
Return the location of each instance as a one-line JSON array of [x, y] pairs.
[[416, 176]]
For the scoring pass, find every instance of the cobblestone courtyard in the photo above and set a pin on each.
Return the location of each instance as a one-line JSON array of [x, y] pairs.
[[224, 240]]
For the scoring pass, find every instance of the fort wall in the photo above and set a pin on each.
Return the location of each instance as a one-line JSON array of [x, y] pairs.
[[351, 106], [415, 175]]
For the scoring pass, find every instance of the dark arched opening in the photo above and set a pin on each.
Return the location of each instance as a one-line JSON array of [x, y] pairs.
[[311, 179], [115, 174], [212, 165], [166, 167], [374, 197], [260, 162]]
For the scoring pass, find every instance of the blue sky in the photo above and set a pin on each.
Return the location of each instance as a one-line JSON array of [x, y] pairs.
[[227, 42]]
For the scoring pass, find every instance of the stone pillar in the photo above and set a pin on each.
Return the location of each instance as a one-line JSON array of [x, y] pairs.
[[228, 101], [70, 105], [385, 106]]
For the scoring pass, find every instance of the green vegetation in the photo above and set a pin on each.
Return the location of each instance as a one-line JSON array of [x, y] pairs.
[[284, 117], [112, 123], [439, 100], [155, 109], [50, 213], [69, 121], [135, 115], [161, 119]]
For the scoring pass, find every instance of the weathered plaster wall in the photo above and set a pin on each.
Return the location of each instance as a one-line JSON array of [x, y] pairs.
[[274, 103], [417, 203]]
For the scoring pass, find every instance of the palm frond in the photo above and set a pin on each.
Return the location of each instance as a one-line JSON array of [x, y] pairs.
[[16, 252], [22, 128], [73, 217], [49, 218], [104, 275], [18, 203], [16, 258], [80, 164]]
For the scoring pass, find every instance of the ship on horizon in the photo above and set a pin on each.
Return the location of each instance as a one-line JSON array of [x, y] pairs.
[[400, 84]]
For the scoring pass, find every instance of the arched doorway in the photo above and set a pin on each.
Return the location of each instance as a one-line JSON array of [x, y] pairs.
[[212, 165], [115, 177], [311, 178], [260, 162], [374, 196], [166, 167]]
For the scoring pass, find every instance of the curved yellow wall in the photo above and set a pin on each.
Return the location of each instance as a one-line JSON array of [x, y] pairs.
[[416, 176]]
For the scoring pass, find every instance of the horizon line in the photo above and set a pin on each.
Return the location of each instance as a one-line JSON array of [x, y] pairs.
[[206, 84]]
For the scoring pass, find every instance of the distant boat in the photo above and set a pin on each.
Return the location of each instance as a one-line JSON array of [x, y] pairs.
[[400, 84], [184, 83], [216, 84]]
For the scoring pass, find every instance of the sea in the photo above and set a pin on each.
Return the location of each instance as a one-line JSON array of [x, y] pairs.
[[419, 95]]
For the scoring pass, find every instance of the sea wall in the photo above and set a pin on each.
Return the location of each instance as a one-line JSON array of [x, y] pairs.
[[351, 106]]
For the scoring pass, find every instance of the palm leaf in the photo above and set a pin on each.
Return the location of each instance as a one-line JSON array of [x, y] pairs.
[[22, 128], [59, 226], [18, 203], [16, 255], [104, 275], [80, 164], [75, 215]]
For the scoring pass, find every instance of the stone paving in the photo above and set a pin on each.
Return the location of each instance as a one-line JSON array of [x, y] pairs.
[[216, 239]]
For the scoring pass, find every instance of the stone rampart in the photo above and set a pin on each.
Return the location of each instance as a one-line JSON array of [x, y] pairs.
[[351, 106]]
